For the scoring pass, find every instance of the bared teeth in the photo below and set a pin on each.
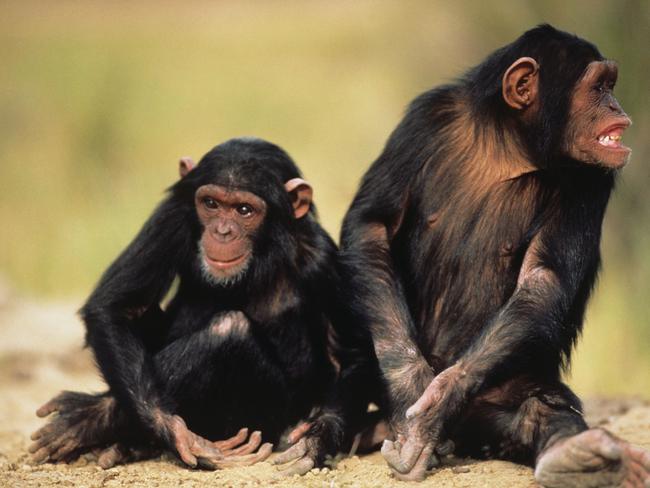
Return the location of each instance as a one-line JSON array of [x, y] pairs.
[[609, 139]]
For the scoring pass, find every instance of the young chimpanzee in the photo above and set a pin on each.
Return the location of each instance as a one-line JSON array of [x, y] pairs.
[[470, 252], [245, 340]]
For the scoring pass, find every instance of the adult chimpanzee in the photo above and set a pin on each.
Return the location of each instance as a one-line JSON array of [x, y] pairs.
[[470, 251], [244, 341]]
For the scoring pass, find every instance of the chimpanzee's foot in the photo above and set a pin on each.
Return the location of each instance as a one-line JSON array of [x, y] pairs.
[[593, 458], [80, 422]]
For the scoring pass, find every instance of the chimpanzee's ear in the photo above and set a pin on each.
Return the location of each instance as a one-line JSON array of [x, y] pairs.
[[520, 83], [185, 165], [301, 194]]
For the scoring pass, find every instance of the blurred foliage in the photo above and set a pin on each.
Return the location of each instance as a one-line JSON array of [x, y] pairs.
[[98, 100]]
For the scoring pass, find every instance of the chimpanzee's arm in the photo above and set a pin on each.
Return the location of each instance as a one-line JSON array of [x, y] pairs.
[[540, 320], [352, 381], [134, 283], [378, 303], [372, 287]]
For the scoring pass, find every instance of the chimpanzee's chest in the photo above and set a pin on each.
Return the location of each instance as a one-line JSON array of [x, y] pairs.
[[459, 258], [474, 235]]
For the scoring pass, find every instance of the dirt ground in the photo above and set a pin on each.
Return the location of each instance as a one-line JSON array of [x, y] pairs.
[[41, 353]]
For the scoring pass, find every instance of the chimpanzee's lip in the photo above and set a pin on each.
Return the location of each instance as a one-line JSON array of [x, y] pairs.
[[610, 137], [225, 264]]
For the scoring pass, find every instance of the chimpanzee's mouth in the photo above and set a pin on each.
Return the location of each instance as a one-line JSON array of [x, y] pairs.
[[225, 263], [611, 137]]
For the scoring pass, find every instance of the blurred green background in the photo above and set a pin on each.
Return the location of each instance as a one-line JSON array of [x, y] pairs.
[[98, 100]]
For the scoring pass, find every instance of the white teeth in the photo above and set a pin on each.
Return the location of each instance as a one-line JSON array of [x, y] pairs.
[[609, 140]]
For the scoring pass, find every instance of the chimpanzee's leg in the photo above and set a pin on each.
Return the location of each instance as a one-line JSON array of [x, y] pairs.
[[196, 372], [541, 424], [218, 378], [517, 420], [84, 421], [221, 379]]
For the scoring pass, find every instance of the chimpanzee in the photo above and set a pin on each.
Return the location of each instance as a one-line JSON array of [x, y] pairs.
[[470, 251], [245, 340]]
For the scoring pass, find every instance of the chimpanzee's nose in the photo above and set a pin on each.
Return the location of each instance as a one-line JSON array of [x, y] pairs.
[[223, 230]]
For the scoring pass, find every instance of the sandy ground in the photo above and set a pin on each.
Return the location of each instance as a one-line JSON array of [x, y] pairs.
[[41, 353]]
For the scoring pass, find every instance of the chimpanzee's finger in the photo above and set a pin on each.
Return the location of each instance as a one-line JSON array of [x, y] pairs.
[[64, 450], [297, 433], [204, 448], [248, 459], [232, 442], [300, 467], [50, 443], [41, 455], [430, 396], [111, 456], [47, 408], [402, 460], [294, 452], [253, 443], [419, 470], [186, 454], [44, 431]]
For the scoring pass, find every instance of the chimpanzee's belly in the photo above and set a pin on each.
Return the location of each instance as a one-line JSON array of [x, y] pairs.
[[459, 265]]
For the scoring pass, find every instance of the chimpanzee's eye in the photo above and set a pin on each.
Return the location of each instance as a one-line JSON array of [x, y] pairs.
[[245, 210], [210, 203]]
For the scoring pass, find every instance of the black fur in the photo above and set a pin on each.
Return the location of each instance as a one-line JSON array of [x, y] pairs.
[[168, 360], [433, 246]]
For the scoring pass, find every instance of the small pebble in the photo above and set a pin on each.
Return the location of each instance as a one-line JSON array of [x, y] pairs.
[[460, 469], [26, 467], [315, 470]]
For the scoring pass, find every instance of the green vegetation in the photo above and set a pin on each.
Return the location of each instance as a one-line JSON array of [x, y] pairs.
[[98, 100]]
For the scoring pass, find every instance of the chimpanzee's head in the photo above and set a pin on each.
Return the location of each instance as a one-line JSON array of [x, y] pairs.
[[247, 194], [560, 88]]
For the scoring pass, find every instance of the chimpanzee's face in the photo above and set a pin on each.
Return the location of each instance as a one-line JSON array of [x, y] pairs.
[[596, 120], [230, 220]]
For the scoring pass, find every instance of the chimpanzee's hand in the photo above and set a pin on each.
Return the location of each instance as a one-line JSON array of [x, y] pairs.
[[421, 435], [311, 440], [195, 450]]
